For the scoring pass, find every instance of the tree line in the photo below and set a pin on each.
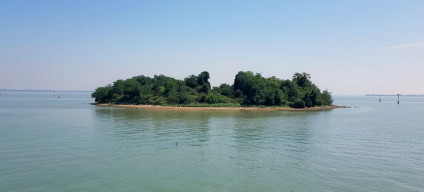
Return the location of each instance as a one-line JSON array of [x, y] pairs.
[[249, 89]]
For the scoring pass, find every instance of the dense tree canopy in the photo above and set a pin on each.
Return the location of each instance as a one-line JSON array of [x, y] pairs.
[[249, 89]]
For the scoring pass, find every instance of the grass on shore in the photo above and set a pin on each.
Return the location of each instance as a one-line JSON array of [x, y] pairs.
[[207, 105], [223, 105]]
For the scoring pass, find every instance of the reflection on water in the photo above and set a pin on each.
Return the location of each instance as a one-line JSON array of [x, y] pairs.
[[239, 134], [255, 147]]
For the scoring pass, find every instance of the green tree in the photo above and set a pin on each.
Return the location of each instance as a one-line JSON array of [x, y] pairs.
[[191, 81], [102, 94], [224, 89], [248, 89], [203, 82], [302, 79]]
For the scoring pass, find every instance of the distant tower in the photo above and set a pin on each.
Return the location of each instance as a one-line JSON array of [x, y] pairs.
[[398, 99]]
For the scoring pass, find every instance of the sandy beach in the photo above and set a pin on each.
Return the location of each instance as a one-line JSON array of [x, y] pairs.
[[176, 108]]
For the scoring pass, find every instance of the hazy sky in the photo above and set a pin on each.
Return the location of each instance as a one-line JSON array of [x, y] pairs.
[[348, 47]]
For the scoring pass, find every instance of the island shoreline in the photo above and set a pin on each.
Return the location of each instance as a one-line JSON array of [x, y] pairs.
[[183, 108]]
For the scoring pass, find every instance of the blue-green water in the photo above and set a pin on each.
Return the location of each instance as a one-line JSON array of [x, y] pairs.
[[51, 144]]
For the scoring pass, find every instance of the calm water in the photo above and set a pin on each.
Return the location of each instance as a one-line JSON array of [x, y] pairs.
[[51, 144]]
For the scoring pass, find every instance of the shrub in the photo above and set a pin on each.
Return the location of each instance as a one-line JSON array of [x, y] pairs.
[[298, 103], [213, 98]]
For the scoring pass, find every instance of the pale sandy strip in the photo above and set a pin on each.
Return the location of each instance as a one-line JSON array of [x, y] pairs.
[[175, 108]]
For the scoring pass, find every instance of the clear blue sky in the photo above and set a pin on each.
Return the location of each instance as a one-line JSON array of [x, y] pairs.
[[348, 47]]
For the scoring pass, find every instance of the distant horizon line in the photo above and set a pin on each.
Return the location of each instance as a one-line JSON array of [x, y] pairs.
[[46, 90], [334, 94], [394, 94]]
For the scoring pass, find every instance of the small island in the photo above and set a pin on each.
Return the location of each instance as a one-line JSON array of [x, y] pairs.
[[250, 91]]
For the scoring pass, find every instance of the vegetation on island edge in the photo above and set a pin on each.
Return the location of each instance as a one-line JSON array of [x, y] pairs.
[[249, 89]]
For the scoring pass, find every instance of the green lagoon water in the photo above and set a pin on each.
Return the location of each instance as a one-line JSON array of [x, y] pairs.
[[50, 144]]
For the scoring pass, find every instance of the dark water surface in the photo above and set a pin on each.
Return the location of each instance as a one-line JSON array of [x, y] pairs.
[[51, 144]]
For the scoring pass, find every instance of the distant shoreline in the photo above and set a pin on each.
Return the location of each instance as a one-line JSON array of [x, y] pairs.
[[394, 95], [42, 90], [182, 108]]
